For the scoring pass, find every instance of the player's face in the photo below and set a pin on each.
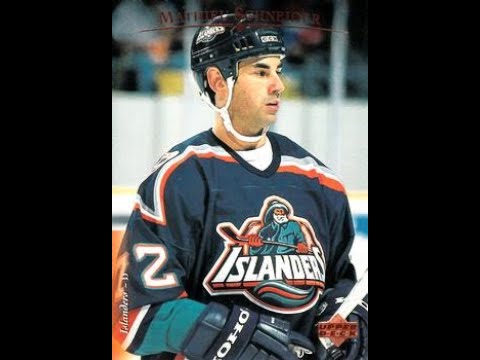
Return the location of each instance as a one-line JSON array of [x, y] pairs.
[[256, 94]]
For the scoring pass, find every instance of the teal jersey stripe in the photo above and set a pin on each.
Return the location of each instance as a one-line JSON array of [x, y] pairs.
[[170, 326]]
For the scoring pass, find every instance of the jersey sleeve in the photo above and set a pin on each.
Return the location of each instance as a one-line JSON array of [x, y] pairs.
[[342, 233], [157, 253]]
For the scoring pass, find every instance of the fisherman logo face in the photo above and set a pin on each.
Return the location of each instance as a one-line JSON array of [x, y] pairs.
[[279, 215], [274, 259]]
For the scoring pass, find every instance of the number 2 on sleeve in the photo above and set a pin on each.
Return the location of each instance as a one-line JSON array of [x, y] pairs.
[[161, 256]]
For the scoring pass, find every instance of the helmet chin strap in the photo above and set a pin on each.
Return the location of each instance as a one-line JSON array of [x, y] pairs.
[[227, 122]]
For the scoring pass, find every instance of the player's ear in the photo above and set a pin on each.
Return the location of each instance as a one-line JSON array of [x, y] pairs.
[[216, 82]]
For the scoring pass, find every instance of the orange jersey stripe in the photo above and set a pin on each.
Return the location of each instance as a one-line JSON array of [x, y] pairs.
[[170, 168], [312, 174]]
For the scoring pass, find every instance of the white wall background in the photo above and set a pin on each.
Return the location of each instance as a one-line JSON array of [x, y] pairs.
[[143, 127]]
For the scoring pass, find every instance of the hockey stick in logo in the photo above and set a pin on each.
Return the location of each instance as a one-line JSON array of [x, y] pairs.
[[338, 319], [241, 240], [269, 242], [244, 239]]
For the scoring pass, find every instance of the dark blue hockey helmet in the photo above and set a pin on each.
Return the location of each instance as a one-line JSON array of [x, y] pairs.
[[228, 39]]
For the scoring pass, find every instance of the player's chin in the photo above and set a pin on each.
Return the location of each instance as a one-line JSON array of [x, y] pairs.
[[270, 118]]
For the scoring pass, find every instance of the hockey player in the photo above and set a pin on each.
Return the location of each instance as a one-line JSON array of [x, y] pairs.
[[239, 240]]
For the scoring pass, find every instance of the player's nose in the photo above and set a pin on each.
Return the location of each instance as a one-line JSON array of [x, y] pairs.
[[276, 86]]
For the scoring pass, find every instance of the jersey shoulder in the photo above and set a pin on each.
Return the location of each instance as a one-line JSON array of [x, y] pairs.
[[300, 160], [289, 147], [178, 168]]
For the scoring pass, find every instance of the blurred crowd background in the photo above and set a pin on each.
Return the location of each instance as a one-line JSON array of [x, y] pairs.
[[152, 61], [324, 106]]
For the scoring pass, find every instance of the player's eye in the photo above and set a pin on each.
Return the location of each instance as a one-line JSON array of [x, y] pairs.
[[262, 73]]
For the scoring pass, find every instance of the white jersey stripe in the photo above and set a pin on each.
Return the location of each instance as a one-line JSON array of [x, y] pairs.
[[158, 213], [308, 163]]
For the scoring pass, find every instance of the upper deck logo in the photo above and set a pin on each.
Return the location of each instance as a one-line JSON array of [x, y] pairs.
[[274, 259]]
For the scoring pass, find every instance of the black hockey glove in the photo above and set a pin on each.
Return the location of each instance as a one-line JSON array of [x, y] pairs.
[[352, 349], [240, 333]]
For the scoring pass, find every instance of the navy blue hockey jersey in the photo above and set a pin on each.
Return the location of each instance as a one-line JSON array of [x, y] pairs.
[[187, 240]]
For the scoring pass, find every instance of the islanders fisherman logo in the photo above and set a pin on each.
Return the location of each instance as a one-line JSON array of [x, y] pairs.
[[274, 259]]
